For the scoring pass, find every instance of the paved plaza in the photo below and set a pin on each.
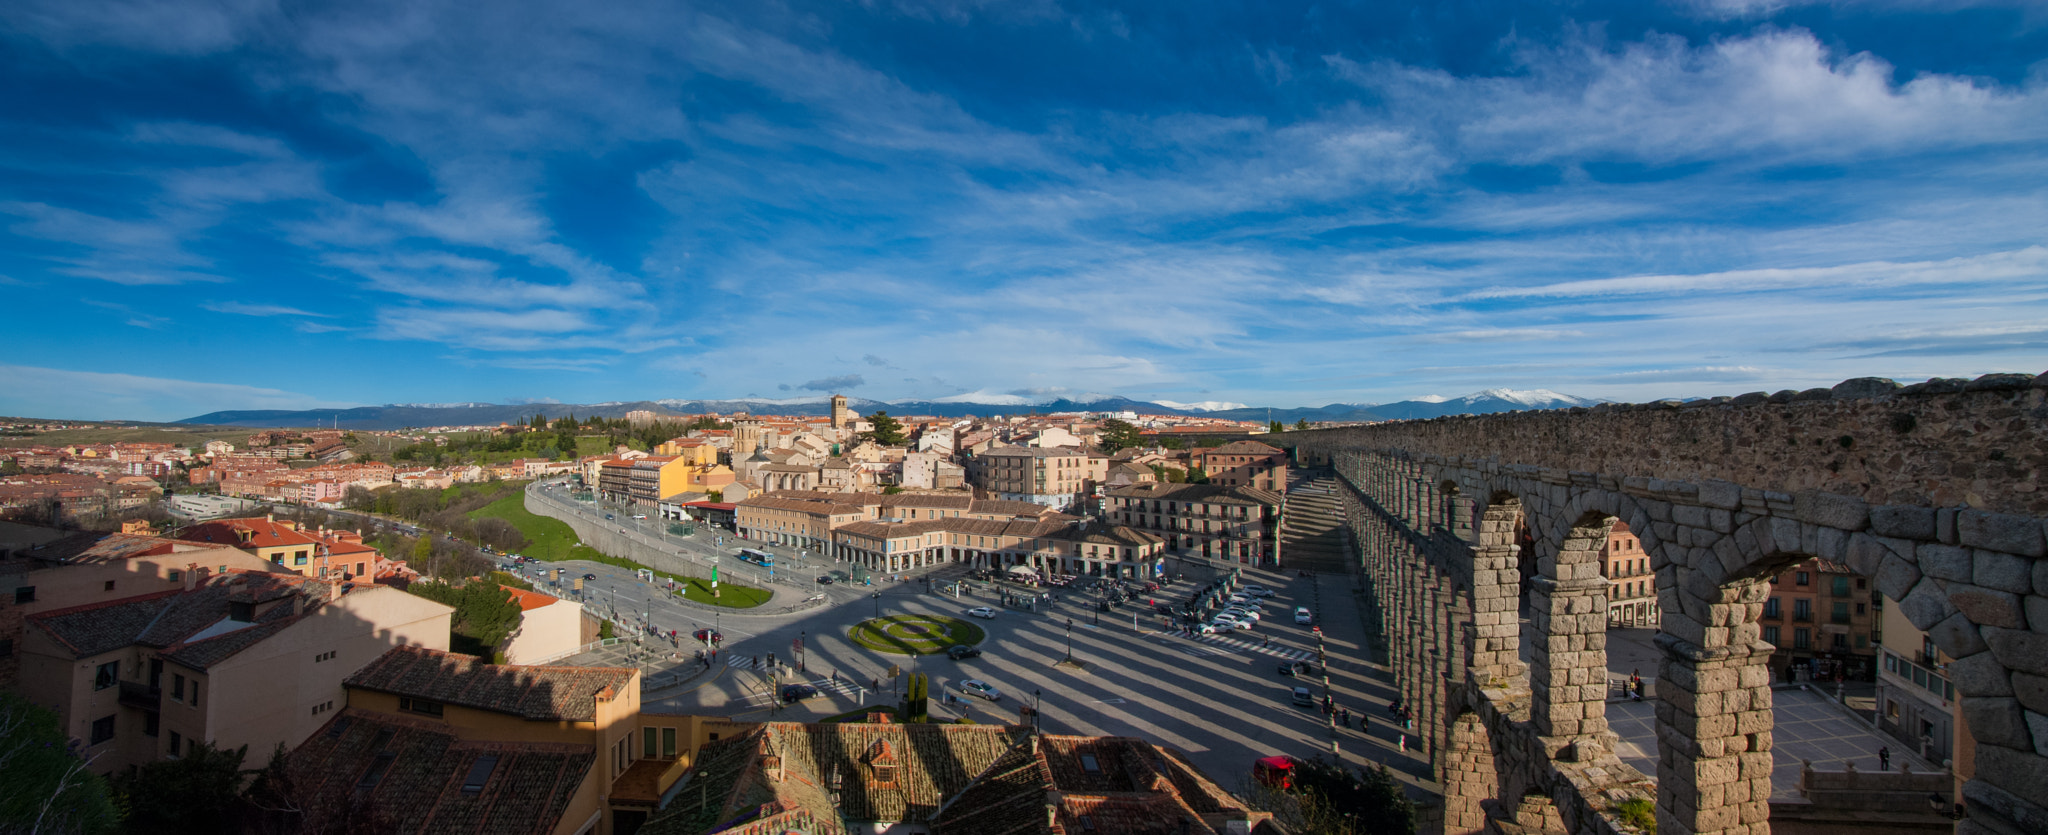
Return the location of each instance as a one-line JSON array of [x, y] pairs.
[[1809, 726]]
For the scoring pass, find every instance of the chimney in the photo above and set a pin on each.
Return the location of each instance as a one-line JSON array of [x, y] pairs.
[[270, 517], [192, 575]]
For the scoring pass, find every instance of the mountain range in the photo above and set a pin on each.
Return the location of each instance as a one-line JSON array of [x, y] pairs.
[[404, 415]]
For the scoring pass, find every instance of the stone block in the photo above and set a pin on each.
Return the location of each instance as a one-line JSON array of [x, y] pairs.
[[1896, 577], [2010, 533], [1862, 387], [1926, 604], [2037, 731], [2037, 612], [1904, 521], [1987, 607], [1997, 720], [2002, 571], [2027, 815], [1832, 510], [1785, 535], [2032, 691], [1980, 675], [1833, 545], [1866, 554], [2019, 650], [1948, 562], [1957, 636], [1692, 516], [2023, 773], [2041, 576]]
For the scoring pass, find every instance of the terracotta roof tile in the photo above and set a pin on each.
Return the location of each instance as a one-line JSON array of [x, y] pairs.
[[558, 693]]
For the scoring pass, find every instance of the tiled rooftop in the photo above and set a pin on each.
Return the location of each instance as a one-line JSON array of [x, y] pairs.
[[166, 620], [424, 772], [541, 693]]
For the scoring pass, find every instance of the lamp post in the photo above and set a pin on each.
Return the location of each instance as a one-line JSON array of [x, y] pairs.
[[1036, 700], [1070, 640], [800, 635], [878, 602]]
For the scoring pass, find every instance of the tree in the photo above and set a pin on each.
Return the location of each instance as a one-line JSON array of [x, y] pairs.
[[1172, 443], [1301, 424], [887, 431], [423, 549], [48, 785], [1197, 475], [917, 698], [1275, 427], [197, 792], [1115, 434], [1333, 798]]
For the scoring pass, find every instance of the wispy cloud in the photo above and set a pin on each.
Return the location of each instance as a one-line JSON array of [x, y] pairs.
[[246, 309]]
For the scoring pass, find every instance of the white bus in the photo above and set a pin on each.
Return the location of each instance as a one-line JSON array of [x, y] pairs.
[[760, 558]]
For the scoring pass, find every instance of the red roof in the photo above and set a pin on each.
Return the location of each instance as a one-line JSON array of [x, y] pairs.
[[530, 600], [713, 505]]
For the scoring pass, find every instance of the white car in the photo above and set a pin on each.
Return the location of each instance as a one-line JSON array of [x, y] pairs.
[[981, 688], [1303, 616], [1244, 614], [1235, 623], [1204, 628], [1256, 591], [983, 612]]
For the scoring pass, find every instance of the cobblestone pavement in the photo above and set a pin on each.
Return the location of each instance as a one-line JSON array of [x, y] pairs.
[[1808, 727]]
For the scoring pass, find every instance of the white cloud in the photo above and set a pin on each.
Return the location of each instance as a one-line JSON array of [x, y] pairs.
[[2029, 263], [246, 309], [31, 391]]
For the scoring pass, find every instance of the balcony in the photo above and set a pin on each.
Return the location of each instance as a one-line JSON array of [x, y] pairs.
[[140, 695]]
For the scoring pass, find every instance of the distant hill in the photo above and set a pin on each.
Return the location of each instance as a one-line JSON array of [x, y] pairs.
[[404, 415]]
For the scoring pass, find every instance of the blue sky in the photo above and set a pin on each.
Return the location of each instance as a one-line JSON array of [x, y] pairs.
[[256, 204]]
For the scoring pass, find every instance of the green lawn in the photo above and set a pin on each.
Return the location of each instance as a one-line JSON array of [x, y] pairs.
[[914, 634], [552, 540]]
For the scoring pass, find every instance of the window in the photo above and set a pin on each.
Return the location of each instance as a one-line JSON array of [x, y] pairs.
[[1802, 609], [24, 594], [1089, 764], [325, 656], [1860, 609], [1801, 639], [376, 773], [1840, 613], [110, 586], [177, 687], [175, 576], [1841, 586], [107, 675], [649, 743], [1771, 634], [299, 558], [430, 708], [150, 721], [668, 743], [479, 774], [176, 742], [6, 647], [102, 729], [1771, 609], [1802, 578]]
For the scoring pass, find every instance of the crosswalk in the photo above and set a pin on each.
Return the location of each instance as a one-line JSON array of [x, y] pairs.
[[1226, 645]]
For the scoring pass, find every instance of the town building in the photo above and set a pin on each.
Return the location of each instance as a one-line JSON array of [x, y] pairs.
[[319, 552], [1245, 464], [1823, 619], [1052, 476], [549, 628], [438, 742], [1235, 524], [1631, 585], [237, 658], [943, 779], [1916, 701]]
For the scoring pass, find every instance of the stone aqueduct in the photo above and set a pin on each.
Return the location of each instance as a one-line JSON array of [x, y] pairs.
[[1933, 490]]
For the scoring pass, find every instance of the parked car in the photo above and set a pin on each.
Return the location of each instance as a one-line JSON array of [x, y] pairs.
[[824, 579], [589, 576], [1256, 591], [1204, 628], [977, 687], [1304, 698], [1303, 616], [962, 652], [1246, 612], [983, 612], [797, 692]]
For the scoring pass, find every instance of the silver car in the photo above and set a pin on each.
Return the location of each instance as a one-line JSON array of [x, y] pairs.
[[977, 687]]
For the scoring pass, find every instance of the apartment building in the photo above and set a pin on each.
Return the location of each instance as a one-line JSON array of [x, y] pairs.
[[241, 658], [321, 552], [439, 742], [1245, 464], [1916, 702], [1050, 476], [1631, 585], [1237, 524], [795, 522], [1824, 620]]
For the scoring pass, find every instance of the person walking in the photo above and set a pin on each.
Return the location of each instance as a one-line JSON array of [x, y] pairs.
[[1884, 758], [1344, 717]]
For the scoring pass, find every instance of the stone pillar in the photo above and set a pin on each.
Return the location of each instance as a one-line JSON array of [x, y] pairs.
[[1568, 682], [1469, 777], [1496, 596], [1714, 719]]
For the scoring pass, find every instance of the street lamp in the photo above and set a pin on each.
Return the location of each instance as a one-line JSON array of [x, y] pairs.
[[1036, 700], [1070, 640], [878, 603]]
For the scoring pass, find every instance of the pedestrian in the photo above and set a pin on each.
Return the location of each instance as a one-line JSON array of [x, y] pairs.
[[1404, 743], [1364, 722], [1344, 717], [1884, 758]]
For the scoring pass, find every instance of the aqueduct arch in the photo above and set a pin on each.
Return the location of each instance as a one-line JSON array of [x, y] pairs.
[[1933, 490]]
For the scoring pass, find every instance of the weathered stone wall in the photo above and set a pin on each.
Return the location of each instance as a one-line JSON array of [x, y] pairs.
[[1955, 540], [1981, 443]]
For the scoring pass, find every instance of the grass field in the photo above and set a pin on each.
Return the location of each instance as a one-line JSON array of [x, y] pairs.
[[914, 634], [197, 435], [552, 540]]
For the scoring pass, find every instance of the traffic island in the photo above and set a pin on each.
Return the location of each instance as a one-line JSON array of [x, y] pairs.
[[914, 634], [1072, 665]]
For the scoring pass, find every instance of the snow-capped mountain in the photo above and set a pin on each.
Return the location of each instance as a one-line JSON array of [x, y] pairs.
[[1480, 403], [1203, 406]]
